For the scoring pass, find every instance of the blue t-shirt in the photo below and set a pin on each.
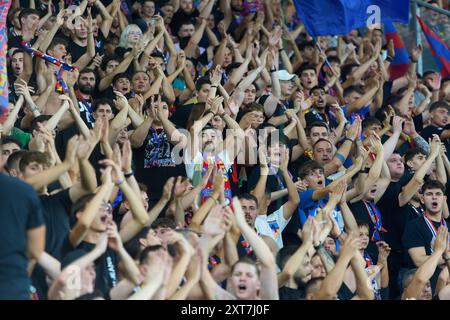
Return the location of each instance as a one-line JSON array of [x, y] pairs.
[[308, 207], [363, 113]]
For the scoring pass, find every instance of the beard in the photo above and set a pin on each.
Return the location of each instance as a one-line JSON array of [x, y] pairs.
[[86, 89]]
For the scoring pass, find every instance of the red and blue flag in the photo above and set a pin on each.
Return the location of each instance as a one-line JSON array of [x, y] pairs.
[[440, 50]]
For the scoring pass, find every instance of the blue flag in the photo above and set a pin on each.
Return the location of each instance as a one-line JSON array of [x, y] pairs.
[[334, 17]]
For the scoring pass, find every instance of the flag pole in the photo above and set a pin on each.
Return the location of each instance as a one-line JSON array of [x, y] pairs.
[[326, 59]]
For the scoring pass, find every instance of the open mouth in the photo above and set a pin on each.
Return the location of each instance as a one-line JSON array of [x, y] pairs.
[[320, 182], [434, 204], [242, 287], [104, 219]]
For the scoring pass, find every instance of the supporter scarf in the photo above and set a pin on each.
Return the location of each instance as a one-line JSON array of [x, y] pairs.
[[61, 86], [213, 261], [4, 6], [375, 217], [64, 65], [208, 190], [433, 230], [369, 263], [245, 245]]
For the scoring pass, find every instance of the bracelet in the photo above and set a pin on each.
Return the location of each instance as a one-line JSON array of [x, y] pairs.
[[34, 108], [348, 139], [319, 246], [340, 157], [273, 70], [365, 170], [389, 58], [214, 86], [412, 60], [128, 174], [340, 234]]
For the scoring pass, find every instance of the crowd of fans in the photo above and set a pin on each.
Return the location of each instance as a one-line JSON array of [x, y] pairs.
[[211, 149]]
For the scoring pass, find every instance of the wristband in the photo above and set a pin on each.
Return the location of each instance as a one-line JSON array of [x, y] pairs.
[[279, 50], [340, 157], [446, 259], [389, 59], [319, 246], [214, 86], [128, 174], [340, 234], [412, 60], [365, 170], [348, 139], [273, 70]]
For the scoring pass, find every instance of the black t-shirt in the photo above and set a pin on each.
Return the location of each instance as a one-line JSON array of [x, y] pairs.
[[75, 50], [155, 163], [106, 268], [21, 210], [417, 234], [181, 115], [409, 213], [390, 215], [287, 293], [428, 131], [57, 223], [361, 213]]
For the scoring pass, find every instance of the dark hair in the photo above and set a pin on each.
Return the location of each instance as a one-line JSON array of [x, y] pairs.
[[362, 223], [80, 205], [133, 246], [432, 184], [306, 66], [285, 253], [407, 278], [428, 72], [370, 121], [252, 106], [439, 104], [321, 140], [411, 153], [32, 156], [305, 44], [316, 88], [332, 58], [307, 167], [10, 139], [346, 70], [196, 113], [248, 196], [56, 41], [14, 160], [143, 256], [109, 58], [314, 125], [27, 12], [163, 223], [87, 70], [200, 82], [38, 119], [121, 76], [351, 89], [100, 101]]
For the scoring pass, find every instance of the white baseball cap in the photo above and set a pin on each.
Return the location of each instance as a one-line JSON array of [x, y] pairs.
[[283, 75]]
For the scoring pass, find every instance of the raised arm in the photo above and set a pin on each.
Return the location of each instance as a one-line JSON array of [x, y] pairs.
[[269, 283], [333, 281], [427, 269], [414, 184], [293, 198]]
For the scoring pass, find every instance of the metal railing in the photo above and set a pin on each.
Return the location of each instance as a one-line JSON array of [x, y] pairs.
[[415, 11]]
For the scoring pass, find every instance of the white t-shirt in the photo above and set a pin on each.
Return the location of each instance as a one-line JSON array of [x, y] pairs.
[[197, 163], [272, 225]]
